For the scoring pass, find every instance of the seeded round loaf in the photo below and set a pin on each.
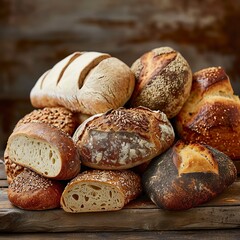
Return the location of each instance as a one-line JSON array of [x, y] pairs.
[[188, 175], [164, 80], [31, 191], [211, 115], [101, 190], [85, 82], [123, 138]]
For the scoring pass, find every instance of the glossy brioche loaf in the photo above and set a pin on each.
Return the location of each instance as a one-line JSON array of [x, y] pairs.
[[31, 191], [44, 149], [101, 190], [188, 175], [164, 80], [123, 138], [58, 117], [211, 115], [86, 82]]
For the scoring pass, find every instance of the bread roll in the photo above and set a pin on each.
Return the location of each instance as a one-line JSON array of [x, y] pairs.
[[86, 82], [188, 175], [211, 115], [123, 138], [100, 190], [31, 191], [164, 80], [44, 149]]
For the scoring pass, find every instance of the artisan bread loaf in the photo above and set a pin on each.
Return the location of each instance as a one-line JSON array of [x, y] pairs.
[[164, 80], [86, 82], [44, 149], [30, 191], [123, 138], [211, 115], [100, 190], [58, 117], [188, 175]]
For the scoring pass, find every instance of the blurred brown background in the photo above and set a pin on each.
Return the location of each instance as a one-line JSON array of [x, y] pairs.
[[36, 34]]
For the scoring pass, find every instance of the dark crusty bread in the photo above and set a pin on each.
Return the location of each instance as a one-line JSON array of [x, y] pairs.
[[44, 149], [211, 115], [86, 82], [101, 190], [58, 117], [164, 80], [123, 138], [188, 175], [31, 191]]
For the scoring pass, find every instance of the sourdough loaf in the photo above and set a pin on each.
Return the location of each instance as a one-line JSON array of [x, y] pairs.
[[86, 82], [164, 80], [123, 138], [31, 191], [100, 190], [44, 149], [188, 175], [211, 115]]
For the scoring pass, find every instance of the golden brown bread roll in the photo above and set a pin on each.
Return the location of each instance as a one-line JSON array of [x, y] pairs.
[[188, 175], [164, 81], [86, 82], [31, 191], [101, 190], [211, 115], [123, 138]]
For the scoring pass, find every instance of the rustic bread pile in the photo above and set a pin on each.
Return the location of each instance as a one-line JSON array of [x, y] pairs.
[[103, 133]]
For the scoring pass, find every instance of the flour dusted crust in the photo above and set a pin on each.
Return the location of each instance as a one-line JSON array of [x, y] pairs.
[[31, 191], [164, 80], [211, 115], [123, 138], [85, 82], [188, 175], [44, 149], [101, 190]]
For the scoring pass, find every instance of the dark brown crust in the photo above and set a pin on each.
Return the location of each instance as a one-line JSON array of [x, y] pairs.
[[102, 140], [211, 115], [59, 139], [163, 81], [172, 191], [26, 193]]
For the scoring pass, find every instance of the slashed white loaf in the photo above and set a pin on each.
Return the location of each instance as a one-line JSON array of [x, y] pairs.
[[101, 190], [44, 149], [86, 82]]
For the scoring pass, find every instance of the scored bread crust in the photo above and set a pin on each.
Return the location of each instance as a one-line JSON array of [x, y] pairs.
[[163, 81], [42, 135], [123, 138], [211, 115], [86, 82], [30, 191], [188, 175], [101, 190]]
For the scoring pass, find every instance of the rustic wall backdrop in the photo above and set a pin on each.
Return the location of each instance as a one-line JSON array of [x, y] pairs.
[[34, 35]]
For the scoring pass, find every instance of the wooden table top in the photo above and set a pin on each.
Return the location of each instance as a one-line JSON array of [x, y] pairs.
[[140, 219]]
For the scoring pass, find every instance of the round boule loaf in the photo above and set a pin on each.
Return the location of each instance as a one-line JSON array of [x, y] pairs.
[[31, 191], [164, 81], [188, 175], [123, 138], [85, 82]]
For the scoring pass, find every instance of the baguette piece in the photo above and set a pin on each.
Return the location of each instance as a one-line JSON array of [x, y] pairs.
[[164, 80], [100, 190], [211, 115], [30, 191], [123, 138], [188, 175], [86, 82], [44, 149]]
